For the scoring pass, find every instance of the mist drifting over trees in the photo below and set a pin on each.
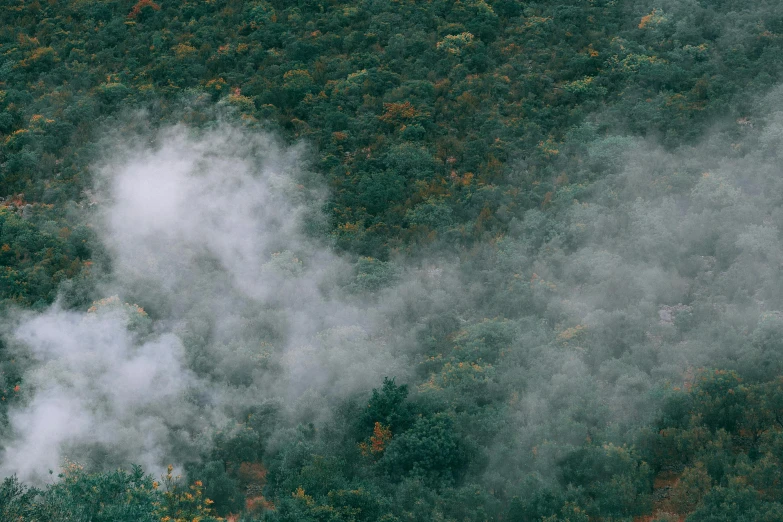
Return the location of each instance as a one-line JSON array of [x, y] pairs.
[[391, 261]]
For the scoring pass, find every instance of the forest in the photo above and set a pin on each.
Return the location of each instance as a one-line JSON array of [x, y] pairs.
[[391, 261]]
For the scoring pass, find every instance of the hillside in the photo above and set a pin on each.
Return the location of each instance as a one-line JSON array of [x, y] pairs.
[[391, 260]]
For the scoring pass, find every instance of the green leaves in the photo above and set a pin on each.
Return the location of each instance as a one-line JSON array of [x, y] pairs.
[[431, 450], [17, 501], [389, 406], [118, 496]]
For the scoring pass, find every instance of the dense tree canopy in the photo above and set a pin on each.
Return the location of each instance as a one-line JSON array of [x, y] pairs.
[[554, 225]]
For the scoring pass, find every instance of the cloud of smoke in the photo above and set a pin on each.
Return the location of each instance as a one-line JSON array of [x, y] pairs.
[[663, 262], [229, 196], [635, 281], [209, 231], [95, 385]]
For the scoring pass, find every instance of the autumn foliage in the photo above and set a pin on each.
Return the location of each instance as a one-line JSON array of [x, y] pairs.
[[141, 4]]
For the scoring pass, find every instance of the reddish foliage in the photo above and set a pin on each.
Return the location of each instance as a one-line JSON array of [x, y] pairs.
[[381, 435], [141, 4], [258, 503], [397, 112], [252, 472]]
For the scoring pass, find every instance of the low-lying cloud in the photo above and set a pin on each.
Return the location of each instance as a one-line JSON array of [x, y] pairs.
[[209, 231]]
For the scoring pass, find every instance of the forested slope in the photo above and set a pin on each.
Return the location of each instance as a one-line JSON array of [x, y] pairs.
[[391, 260]]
